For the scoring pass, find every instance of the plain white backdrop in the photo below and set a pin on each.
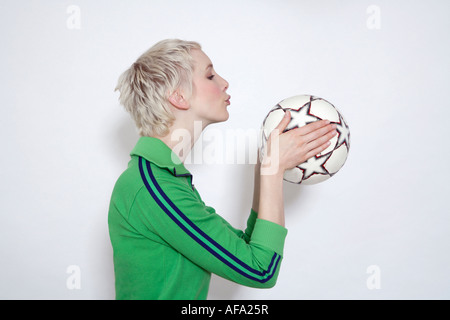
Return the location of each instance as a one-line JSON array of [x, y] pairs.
[[379, 229]]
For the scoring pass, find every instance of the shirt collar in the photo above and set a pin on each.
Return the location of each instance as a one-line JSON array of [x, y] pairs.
[[157, 152]]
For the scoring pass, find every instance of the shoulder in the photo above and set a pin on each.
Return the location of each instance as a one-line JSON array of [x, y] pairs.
[[144, 185], [144, 175], [161, 182], [129, 182]]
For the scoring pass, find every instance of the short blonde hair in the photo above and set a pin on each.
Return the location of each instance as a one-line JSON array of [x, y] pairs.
[[146, 86]]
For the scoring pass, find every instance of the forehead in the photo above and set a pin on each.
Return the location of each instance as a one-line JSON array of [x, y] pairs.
[[201, 60]]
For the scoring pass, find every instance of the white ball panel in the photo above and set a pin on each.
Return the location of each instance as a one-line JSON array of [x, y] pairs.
[[294, 175], [315, 178], [324, 110], [295, 102], [337, 159]]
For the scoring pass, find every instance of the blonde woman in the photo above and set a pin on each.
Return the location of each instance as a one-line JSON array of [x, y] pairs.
[[166, 240]]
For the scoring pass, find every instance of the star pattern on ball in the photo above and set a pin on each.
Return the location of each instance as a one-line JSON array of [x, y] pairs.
[[301, 117], [314, 165], [344, 133]]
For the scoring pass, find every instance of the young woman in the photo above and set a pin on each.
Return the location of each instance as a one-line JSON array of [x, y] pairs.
[[166, 241]]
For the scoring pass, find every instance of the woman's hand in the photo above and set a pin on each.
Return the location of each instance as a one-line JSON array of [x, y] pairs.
[[285, 150]]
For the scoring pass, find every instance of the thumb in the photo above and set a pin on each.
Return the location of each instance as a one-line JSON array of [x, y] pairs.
[[284, 122]]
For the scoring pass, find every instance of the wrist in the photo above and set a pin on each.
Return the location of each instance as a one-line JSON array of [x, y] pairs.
[[256, 187], [271, 198], [273, 177], [271, 167]]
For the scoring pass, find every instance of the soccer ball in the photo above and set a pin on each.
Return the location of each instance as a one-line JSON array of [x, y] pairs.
[[306, 109]]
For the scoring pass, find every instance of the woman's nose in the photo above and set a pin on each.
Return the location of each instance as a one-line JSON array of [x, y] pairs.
[[226, 85]]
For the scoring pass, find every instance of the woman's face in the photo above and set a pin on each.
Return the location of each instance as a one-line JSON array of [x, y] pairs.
[[209, 98]]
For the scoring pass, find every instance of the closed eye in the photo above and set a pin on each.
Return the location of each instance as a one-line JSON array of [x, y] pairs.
[[211, 77]]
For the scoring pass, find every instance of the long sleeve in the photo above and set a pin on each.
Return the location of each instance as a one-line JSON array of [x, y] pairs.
[[175, 212], [246, 235]]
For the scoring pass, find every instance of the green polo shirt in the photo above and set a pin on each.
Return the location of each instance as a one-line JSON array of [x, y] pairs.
[[167, 242]]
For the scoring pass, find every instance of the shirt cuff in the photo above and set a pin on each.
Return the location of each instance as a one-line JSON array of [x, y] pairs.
[[269, 235]]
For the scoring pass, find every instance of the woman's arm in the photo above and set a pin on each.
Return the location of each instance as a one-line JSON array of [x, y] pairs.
[[256, 188], [286, 150]]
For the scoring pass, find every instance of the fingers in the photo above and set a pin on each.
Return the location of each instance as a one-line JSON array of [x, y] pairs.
[[320, 144], [317, 150], [298, 145], [312, 127], [316, 138], [327, 130], [284, 122]]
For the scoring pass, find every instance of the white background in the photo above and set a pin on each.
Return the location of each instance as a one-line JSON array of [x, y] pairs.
[[65, 139]]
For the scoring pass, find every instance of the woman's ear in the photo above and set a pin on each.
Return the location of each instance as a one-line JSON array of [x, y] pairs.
[[178, 100]]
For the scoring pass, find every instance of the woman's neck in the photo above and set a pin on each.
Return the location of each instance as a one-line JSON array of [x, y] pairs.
[[181, 139]]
